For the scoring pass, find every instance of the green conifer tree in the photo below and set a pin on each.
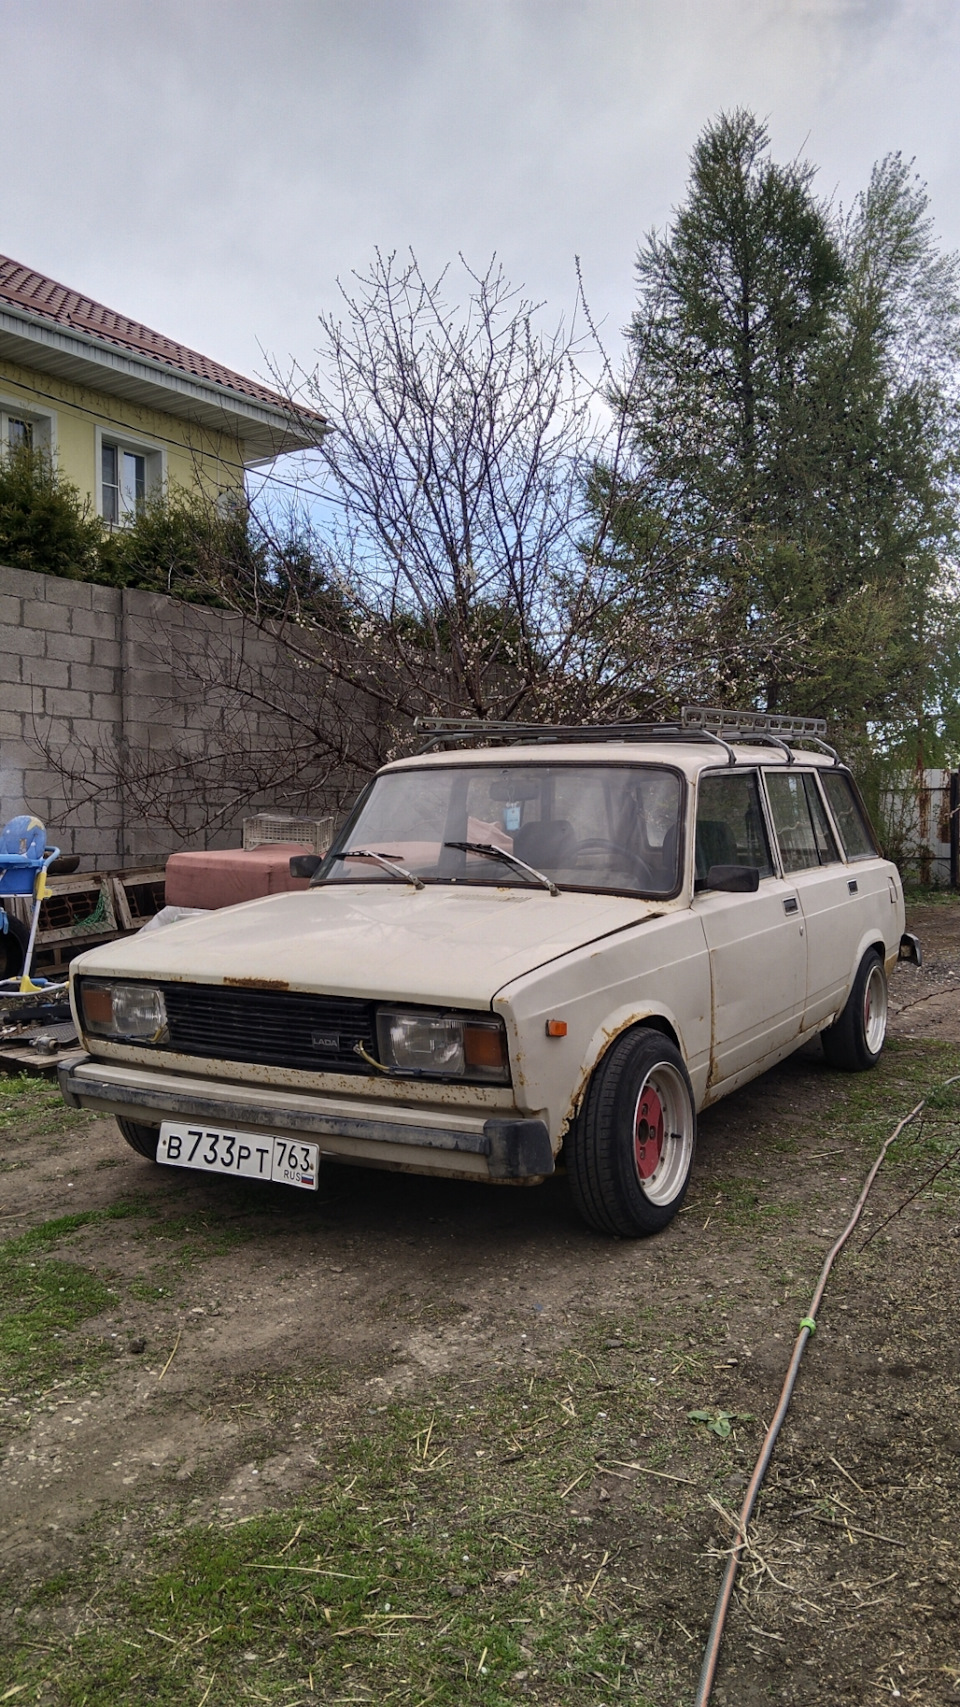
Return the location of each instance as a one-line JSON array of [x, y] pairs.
[[792, 401]]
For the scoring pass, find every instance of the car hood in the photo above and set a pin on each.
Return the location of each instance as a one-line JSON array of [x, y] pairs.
[[437, 945]]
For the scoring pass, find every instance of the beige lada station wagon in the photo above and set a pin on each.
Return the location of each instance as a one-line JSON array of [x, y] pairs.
[[527, 948]]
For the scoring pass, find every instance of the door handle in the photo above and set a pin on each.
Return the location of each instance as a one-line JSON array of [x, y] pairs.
[[791, 904], [853, 886]]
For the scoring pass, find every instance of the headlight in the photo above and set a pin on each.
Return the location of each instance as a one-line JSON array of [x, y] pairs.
[[129, 1013], [454, 1046]]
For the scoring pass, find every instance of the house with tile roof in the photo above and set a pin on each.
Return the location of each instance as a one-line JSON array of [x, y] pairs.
[[123, 410]]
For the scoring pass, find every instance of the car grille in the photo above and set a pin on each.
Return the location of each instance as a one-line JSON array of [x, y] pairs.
[[276, 1028]]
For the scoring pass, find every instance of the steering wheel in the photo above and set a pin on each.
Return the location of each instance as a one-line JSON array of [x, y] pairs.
[[649, 879]]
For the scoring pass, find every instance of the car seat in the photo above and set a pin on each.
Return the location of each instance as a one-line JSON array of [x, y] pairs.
[[546, 842]]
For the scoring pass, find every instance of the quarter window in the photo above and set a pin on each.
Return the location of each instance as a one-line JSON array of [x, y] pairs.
[[730, 827], [854, 834], [803, 833]]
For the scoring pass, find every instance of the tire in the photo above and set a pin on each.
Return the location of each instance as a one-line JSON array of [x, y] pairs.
[[854, 1042], [143, 1139], [13, 948], [624, 1180]]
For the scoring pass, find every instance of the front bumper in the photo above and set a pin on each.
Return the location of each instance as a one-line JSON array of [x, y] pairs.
[[498, 1149]]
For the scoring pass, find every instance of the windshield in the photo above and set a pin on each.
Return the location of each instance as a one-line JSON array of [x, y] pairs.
[[604, 826]]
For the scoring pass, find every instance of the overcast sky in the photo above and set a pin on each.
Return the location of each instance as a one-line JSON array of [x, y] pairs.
[[211, 166]]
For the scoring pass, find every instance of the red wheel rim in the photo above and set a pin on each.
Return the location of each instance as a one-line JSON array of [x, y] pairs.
[[648, 1133]]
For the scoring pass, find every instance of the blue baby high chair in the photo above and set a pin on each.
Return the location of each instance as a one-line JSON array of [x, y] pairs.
[[24, 858]]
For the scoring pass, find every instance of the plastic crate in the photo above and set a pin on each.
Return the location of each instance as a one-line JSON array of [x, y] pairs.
[[313, 834]]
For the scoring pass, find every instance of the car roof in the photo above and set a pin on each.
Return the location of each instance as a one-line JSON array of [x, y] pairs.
[[690, 756]]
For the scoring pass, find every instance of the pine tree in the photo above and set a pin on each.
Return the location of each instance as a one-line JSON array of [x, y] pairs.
[[791, 396]]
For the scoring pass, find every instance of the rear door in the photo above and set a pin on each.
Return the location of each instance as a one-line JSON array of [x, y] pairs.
[[755, 941], [828, 891]]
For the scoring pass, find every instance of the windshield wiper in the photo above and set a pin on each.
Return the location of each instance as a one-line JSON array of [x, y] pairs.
[[388, 864], [491, 852]]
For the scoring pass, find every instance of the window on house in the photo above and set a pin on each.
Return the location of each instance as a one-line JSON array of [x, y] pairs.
[[19, 434], [21, 429], [123, 482]]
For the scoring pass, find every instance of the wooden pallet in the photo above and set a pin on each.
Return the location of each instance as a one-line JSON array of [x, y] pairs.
[[86, 909], [137, 896]]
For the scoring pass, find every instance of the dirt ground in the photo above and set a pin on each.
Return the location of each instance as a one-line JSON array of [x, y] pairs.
[[247, 1351]]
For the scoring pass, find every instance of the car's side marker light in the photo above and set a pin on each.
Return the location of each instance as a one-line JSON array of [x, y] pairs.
[[556, 1028]]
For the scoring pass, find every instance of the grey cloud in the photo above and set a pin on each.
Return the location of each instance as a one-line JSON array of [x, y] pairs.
[[211, 167]]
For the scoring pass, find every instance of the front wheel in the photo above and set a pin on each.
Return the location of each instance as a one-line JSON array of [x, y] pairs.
[[854, 1041], [630, 1150], [143, 1139]]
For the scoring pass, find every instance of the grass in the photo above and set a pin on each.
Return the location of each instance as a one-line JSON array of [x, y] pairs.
[[33, 1108], [916, 895], [42, 1302], [452, 1555], [861, 1108], [456, 1553], [44, 1298]]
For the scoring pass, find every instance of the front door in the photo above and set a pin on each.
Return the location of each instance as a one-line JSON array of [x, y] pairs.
[[756, 942]]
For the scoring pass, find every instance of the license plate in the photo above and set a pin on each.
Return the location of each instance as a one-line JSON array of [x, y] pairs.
[[247, 1155]]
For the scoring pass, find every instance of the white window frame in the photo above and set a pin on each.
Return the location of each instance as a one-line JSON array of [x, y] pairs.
[[43, 422], [154, 465]]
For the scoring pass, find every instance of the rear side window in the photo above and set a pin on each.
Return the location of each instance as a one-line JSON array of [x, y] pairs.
[[854, 834], [803, 833], [730, 828]]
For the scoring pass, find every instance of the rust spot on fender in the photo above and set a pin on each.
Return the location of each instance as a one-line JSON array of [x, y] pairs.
[[258, 983], [586, 1072], [610, 1035]]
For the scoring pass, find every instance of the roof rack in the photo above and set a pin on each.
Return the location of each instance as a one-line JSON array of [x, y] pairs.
[[696, 724], [745, 722], [779, 729], [447, 731]]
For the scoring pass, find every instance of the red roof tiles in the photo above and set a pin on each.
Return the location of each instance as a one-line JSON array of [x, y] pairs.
[[44, 299]]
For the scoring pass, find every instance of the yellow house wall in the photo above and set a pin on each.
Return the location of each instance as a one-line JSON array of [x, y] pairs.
[[191, 454]]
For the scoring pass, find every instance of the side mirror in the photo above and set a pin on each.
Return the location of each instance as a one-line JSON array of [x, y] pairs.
[[735, 879], [304, 865]]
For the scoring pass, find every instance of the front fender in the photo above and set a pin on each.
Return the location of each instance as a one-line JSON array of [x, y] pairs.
[[659, 973], [622, 1020]]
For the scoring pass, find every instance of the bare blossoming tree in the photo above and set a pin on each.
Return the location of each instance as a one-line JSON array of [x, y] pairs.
[[457, 550], [459, 525]]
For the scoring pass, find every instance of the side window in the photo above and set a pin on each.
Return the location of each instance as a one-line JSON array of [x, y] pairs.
[[854, 834], [803, 833], [730, 828], [825, 840]]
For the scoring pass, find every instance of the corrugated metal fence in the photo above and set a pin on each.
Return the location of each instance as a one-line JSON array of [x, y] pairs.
[[920, 823]]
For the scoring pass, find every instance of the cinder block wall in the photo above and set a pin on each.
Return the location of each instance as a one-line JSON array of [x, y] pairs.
[[98, 684], [60, 689]]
